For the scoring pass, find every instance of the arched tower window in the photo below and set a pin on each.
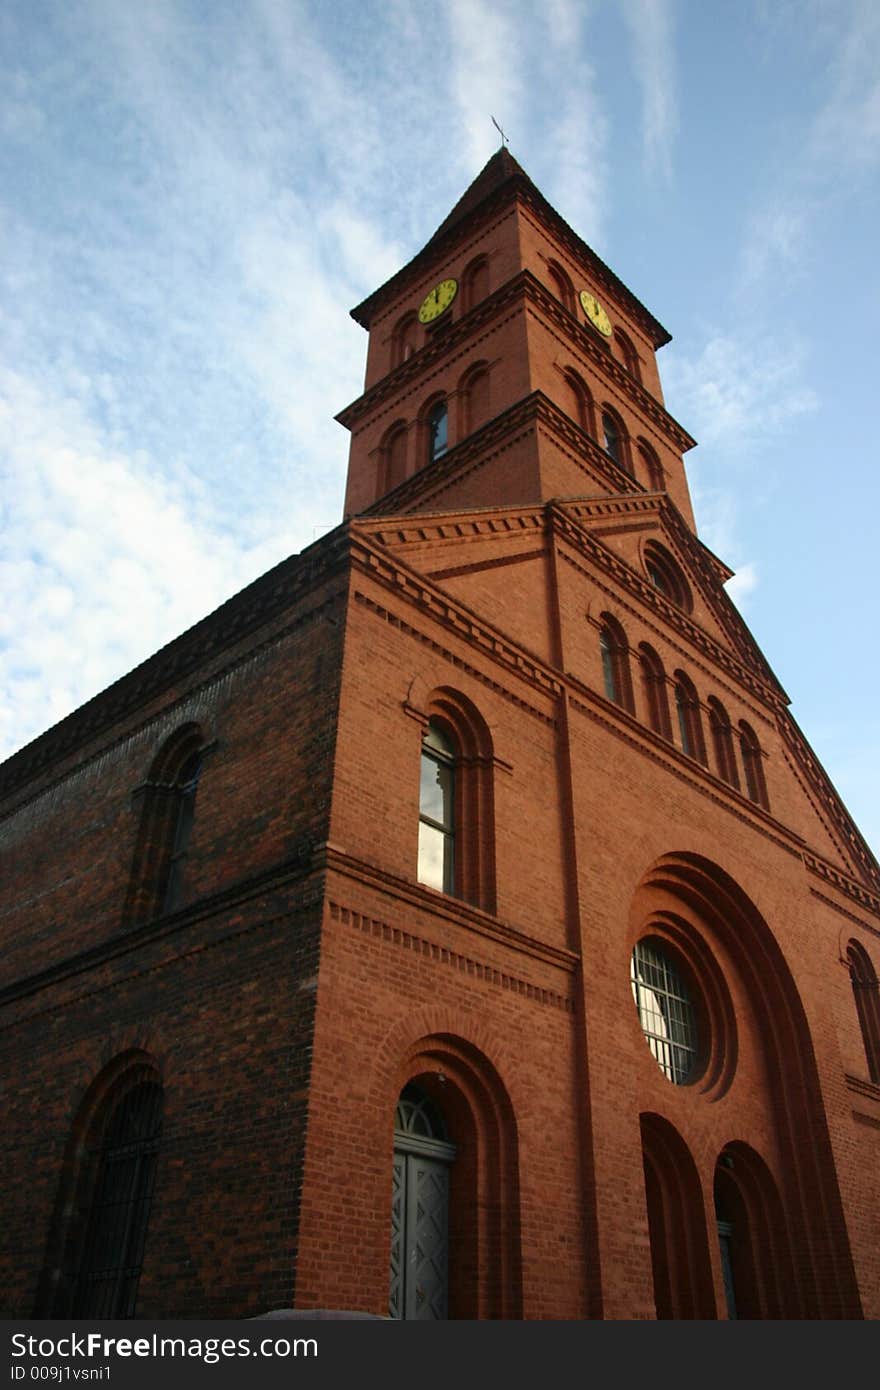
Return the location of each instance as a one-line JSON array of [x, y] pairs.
[[650, 467], [690, 723], [475, 282], [628, 354], [722, 742], [393, 458], [475, 399], [168, 808], [406, 339], [654, 689], [614, 440], [438, 431], [614, 651], [579, 402], [866, 992], [562, 286], [753, 765]]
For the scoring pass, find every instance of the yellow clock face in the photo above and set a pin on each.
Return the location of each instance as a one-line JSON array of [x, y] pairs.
[[595, 313], [438, 301]]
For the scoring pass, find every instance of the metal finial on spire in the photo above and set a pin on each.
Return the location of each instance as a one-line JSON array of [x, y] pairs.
[[504, 139]]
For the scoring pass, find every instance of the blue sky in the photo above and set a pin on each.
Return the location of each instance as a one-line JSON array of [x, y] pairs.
[[193, 193]]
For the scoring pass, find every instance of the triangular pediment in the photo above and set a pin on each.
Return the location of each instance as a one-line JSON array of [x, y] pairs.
[[638, 527]]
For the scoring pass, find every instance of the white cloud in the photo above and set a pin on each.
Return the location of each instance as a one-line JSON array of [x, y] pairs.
[[650, 23]]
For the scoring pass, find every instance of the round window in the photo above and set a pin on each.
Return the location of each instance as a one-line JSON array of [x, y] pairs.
[[665, 1004]]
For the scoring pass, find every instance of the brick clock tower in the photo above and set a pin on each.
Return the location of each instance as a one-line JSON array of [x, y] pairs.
[[456, 923]]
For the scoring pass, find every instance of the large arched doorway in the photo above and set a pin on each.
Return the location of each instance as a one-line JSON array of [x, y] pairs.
[[423, 1157]]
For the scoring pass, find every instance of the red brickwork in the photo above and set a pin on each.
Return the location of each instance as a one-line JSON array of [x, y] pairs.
[[305, 975]]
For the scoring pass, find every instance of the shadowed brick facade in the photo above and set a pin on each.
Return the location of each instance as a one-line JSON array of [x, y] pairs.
[[211, 878]]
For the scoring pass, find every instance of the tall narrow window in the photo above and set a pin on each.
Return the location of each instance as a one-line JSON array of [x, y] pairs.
[[116, 1227], [438, 431], [690, 724], [615, 662], [475, 282], [562, 286], [654, 689], [753, 765], [614, 441], [393, 458], [866, 992], [437, 810], [406, 339], [186, 788], [722, 741]]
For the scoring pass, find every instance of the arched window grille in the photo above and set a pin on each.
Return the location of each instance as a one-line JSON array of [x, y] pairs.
[[437, 810], [866, 992], [116, 1224], [438, 431], [722, 741], [753, 765], [690, 724], [666, 1010]]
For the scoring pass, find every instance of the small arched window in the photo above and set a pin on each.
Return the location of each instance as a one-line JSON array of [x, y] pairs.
[[167, 815], [475, 397], [437, 809], [628, 354], [866, 992], [666, 576], [475, 282], [438, 431], [406, 339], [614, 440], [393, 458], [562, 286], [753, 765], [690, 723], [614, 651], [650, 467], [722, 742], [654, 690]]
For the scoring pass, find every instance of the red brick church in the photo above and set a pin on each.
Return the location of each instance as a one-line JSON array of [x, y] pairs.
[[454, 924]]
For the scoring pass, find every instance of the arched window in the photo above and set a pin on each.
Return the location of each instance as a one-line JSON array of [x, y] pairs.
[[722, 742], [475, 399], [562, 286], [654, 689], [753, 765], [456, 851], [393, 458], [628, 354], [690, 723], [579, 403], [475, 282], [614, 440], [437, 809], [168, 806], [650, 467], [438, 431], [755, 1256], [666, 576], [406, 339], [866, 992], [614, 652], [105, 1199]]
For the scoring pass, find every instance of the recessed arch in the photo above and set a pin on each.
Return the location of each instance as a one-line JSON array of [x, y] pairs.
[[680, 1260], [560, 282], [650, 466], [457, 778], [722, 742], [406, 338], [866, 994], [475, 281], [474, 397], [654, 690], [393, 457], [666, 575], [467, 1093], [628, 354], [615, 438], [166, 802], [718, 910], [614, 653], [93, 1261], [757, 1268]]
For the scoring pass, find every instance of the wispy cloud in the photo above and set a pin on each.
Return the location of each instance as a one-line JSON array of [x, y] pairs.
[[651, 28]]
